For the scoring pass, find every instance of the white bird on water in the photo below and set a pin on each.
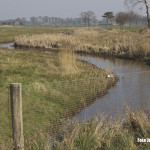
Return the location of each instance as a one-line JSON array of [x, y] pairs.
[[109, 76]]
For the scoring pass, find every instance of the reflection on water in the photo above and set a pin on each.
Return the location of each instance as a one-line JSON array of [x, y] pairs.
[[133, 88], [7, 45]]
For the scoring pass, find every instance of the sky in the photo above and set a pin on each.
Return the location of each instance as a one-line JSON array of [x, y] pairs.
[[11, 9]]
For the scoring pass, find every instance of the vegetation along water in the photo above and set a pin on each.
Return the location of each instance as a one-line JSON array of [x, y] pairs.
[[36, 69]]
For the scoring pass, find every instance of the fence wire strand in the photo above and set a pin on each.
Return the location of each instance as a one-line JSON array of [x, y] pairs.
[[5, 120], [50, 110]]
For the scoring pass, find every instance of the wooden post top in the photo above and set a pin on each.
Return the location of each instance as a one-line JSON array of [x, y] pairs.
[[15, 84]]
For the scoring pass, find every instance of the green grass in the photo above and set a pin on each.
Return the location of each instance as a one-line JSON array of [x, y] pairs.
[[134, 28], [8, 33], [50, 94], [126, 27]]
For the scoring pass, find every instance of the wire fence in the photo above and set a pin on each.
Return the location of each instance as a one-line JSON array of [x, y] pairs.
[[49, 110], [5, 119]]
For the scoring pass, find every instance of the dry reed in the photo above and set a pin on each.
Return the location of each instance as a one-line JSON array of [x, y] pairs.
[[93, 40], [102, 134]]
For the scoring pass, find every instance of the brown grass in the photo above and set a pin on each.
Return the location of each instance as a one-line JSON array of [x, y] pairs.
[[101, 134], [93, 40], [68, 62]]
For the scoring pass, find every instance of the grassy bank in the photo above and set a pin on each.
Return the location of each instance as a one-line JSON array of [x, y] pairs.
[[55, 87], [121, 134], [118, 43], [132, 44]]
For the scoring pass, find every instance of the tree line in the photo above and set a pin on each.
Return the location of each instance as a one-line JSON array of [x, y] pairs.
[[88, 18]]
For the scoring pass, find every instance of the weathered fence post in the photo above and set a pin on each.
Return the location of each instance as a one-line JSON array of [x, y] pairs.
[[16, 111]]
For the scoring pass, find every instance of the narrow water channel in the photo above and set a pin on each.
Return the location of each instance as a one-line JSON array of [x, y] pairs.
[[132, 89], [7, 45]]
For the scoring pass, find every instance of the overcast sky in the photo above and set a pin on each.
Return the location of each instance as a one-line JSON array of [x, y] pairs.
[[11, 9]]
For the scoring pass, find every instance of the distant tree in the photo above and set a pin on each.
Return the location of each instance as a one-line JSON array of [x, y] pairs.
[[34, 20], [40, 20], [134, 3], [121, 18], [46, 20], [68, 21], [108, 15], [88, 17], [23, 21], [16, 21], [84, 17], [132, 16]]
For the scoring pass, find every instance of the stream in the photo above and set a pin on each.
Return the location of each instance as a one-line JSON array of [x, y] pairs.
[[7, 45], [132, 89]]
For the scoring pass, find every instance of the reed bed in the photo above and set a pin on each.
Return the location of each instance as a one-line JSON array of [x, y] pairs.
[[46, 41], [93, 40]]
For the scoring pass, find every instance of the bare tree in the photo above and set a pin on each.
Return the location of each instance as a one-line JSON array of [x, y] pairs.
[[40, 20], [34, 20], [88, 17], [134, 3], [23, 21], [84, 17], [46, 20], [133, 17], [121, 18]]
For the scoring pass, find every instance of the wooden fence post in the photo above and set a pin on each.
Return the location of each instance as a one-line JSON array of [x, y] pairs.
[[16, 111]]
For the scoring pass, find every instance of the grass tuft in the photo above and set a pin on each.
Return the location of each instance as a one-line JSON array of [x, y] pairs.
[[107, 134]]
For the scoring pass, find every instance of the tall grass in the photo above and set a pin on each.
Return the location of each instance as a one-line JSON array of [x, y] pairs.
[[99, 134], [68, 62], [94, 40]]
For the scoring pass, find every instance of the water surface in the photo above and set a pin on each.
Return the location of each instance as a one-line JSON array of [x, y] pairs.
[[132, 89], [7, 45]]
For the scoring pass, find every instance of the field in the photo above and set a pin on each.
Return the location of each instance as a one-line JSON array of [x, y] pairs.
[[128, 27], [8, 33], [55, 87]]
